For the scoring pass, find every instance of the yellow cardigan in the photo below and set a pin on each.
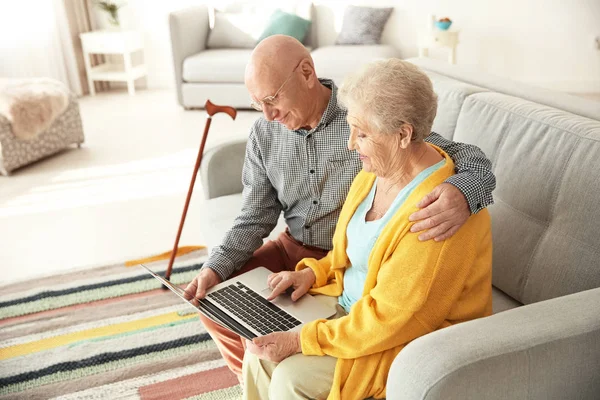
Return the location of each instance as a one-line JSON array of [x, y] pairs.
[[412, 288]]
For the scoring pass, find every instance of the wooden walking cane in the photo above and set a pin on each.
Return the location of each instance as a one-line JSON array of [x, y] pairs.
[[211, 110]]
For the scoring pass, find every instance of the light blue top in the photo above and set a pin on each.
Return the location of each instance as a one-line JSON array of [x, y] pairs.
[[363, 234]]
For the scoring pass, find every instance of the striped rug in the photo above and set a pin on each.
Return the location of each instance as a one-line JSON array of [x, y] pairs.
[[108, 333]]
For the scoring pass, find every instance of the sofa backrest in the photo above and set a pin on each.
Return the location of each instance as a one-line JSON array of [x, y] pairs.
[[561, 101], [262, 11], [546, 216], [451, 96]]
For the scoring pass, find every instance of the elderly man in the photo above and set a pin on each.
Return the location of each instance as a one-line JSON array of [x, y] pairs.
[[297, 161]]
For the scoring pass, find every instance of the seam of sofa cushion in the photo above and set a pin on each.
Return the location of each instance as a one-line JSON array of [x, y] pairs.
[[553, 229], [522, 213], [503, 139], [504, 354], [462, 97], [551, 216], [456, 95]]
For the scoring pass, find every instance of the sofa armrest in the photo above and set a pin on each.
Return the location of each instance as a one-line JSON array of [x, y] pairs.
[[221, 170], [546, 350], [189, 29]]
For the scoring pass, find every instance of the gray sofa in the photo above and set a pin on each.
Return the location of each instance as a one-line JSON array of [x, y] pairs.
[[218, 74], [543, 341]]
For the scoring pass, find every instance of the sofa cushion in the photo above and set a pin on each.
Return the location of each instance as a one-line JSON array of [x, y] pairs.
[[256, 15], [502, 302], [363, 25], [235, 30], [451, 96], [545, 217], [335, 62], [195, 94], [282, 23], [217, 65]]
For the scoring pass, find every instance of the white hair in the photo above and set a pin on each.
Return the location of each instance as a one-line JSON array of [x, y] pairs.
[[388, 93]]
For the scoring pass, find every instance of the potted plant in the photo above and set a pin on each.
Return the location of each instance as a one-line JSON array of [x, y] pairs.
[[112, 9]]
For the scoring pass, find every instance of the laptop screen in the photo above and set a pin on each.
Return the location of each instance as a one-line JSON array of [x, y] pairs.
[[206, 308], [178, 291]]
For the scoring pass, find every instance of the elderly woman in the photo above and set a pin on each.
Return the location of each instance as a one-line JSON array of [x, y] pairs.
[[390, 288]]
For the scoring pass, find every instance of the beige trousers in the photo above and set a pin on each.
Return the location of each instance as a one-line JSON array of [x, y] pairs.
[[296, 377]]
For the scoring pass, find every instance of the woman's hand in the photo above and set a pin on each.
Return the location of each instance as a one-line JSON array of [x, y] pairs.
[[301, 281], [276, 346]]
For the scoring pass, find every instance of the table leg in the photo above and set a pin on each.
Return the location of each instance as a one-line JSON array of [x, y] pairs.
[[452, 57], [129, 72], [423, 52], [88, 72]]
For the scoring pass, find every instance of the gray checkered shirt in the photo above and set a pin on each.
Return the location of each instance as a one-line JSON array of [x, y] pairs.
[[307, 174]]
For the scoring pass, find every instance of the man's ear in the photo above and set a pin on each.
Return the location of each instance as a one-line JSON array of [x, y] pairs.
[[308, 73], [406, 134]]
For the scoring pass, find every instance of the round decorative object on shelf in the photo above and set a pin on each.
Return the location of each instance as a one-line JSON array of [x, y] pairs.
[[443, 24], [439, 35]]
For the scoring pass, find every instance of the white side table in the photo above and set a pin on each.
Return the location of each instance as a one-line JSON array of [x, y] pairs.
[[113, 42], [440, 38]]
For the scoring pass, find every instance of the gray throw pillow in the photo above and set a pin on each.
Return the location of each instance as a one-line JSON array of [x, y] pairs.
[[363, 25]]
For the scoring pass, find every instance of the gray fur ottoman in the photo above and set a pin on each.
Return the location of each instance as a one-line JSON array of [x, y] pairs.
[[64, 130]]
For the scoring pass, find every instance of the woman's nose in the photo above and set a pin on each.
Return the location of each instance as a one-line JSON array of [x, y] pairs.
[[351, 142]]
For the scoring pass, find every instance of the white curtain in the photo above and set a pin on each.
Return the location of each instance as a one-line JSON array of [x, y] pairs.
[[35, 42]]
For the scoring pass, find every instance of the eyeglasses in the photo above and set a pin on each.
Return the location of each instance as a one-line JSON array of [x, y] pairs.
[[270, 100]]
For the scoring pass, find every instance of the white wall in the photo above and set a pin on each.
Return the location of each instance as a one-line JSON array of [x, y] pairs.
[[548, 43]]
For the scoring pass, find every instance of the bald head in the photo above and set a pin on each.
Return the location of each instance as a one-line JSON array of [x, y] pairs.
[[281, 78], [275, 57]]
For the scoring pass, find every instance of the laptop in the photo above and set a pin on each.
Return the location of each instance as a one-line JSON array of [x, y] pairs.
[[240, 305]]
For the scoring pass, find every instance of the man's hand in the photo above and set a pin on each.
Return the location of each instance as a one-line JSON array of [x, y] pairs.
[[197, 288], [444, 211], [301, 281], [276, 346]]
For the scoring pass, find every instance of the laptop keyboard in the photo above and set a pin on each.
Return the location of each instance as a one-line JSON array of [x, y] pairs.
[[256, 311]]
